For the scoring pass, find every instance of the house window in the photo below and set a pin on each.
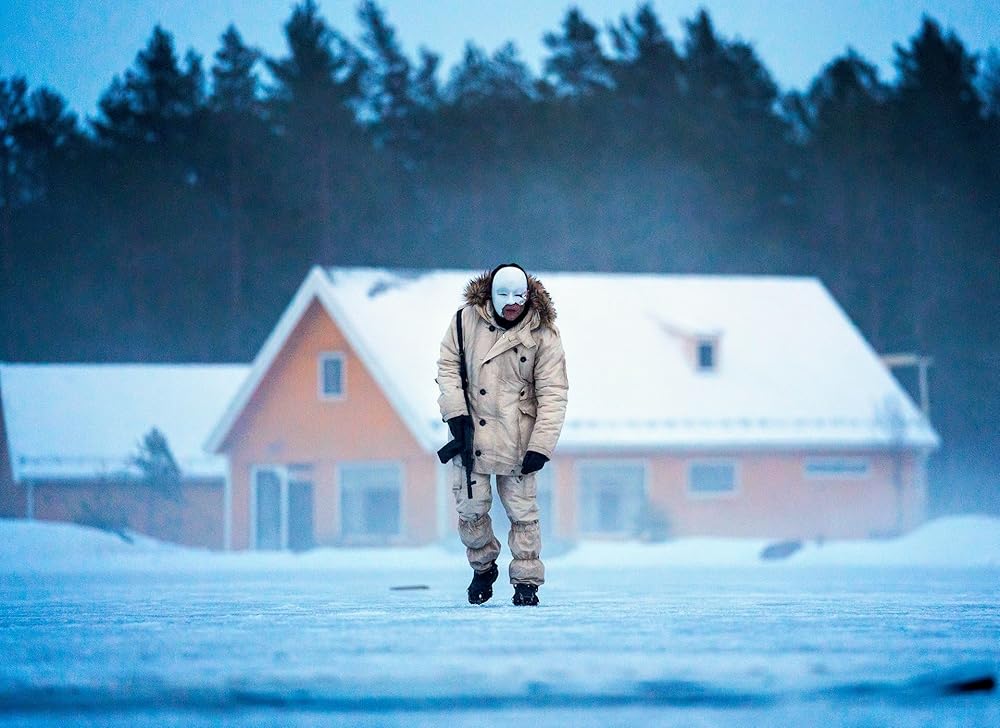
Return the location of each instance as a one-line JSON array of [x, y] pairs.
[[370, 502], [331, 375], [611, 497], [711, 478], [838, 468], [706, 355]]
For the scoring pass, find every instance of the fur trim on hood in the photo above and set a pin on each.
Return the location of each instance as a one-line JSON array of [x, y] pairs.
[[477, 293]]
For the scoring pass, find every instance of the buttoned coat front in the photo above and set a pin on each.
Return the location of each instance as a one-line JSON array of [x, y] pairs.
[[517, 379]]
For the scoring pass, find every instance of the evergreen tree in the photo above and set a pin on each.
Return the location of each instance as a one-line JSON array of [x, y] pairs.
[[425, 85], [13, 117], [235, 83], [240, 133], [938, 132], [317, 96], [647, 71], [936, 90], [576, 65], [387, 80], [948, 215], [161, 476], [49, 129], [157, 102], [157, 465], [847, 186], [732, 120], [481, 152], [481, 80], [725, 74], [150, 123]]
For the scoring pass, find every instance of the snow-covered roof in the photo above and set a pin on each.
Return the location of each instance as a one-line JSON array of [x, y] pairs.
[[792, 370], [66, 421]]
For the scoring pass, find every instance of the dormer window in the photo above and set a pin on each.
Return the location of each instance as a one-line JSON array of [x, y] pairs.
[[699, 347], [706, 355], [331, 375]]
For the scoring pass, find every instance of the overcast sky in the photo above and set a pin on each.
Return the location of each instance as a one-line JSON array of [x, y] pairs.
[[77, 46]]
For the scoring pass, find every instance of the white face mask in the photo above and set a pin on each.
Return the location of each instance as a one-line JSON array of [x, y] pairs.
[[510, 288]]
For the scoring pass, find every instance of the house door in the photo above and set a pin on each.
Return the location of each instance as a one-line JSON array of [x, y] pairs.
[[300, 515], [267, 522], [282, 507]]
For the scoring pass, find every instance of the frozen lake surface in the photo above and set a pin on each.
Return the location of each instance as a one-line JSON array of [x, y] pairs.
[[823, 645]]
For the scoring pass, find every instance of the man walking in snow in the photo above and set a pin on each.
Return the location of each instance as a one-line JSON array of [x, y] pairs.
[[516, 395]]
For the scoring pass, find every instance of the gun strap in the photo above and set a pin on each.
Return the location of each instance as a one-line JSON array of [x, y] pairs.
[[461, 357], [464, 373]]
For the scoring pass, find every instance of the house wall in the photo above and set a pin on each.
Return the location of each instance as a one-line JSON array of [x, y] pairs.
[[194, 520], [773, 498], [286, 422]]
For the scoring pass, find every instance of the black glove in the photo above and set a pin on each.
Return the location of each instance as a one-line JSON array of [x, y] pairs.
[[533, 461], [459, 425]]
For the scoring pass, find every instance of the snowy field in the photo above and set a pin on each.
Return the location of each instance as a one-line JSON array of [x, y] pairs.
[[95, 631]]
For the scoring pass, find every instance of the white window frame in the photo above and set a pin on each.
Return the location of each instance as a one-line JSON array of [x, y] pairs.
[[826, 459], [321, 360], [734, 492], [580, 528], [388, 539], [283, 475]]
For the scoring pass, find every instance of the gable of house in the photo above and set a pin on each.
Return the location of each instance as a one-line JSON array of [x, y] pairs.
[[288, 417], [320, 455]]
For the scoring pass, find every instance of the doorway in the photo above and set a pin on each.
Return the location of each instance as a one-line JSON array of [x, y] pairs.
[[281, 507]]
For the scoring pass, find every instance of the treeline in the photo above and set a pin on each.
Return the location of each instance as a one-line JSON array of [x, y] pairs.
[[175, 225]]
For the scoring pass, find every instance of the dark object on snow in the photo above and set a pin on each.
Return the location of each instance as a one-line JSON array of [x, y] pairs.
[[533, 462], [780, 550], [481, 587], [525, 595], [982, 684], [409, 587]]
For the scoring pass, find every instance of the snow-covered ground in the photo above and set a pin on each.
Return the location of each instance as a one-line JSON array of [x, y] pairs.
[[95, 631]]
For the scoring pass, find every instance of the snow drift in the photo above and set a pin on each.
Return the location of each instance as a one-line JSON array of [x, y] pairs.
[[35, 546]]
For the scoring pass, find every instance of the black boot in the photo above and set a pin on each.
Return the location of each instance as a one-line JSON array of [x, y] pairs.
[[525, 595], [481, 587]]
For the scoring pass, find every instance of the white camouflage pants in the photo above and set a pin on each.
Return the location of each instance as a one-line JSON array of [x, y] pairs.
[[519, 495]]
